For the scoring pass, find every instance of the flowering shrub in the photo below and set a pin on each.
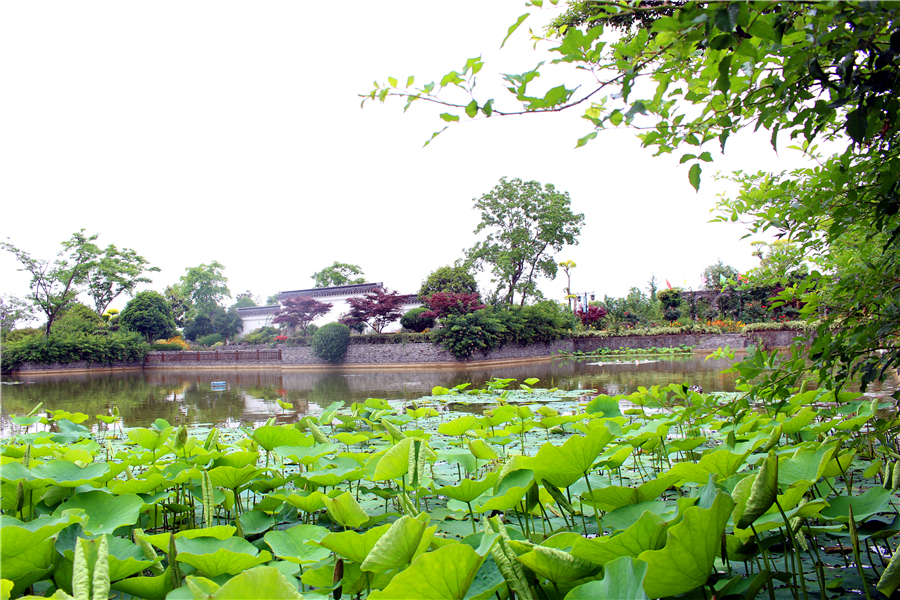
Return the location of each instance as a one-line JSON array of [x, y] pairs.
[[280, 338], [176, 340], [443, 304], [592, 315]]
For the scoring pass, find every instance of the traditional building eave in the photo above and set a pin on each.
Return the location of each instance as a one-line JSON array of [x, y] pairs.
[[256, 311], [337, 290]]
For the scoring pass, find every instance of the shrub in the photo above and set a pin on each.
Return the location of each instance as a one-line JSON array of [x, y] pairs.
[[263, 335], [17, 335], [779, 325], [149, 314], [209, 340], [330, 342], [463, 335], [449, 279], [591, 315], [670, 298], [166, 347], [78, 319], [75, 347], [452, 303], [414, 320]]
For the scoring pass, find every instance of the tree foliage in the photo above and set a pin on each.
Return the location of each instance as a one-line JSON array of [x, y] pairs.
[[13, 310], [115, 272], [457, 280], [808, 72], [55, 285], [376, 309], [525, 224], [719, 275], [299, 311], [149, 314], [204, 286], [443, 304], [338, 274]]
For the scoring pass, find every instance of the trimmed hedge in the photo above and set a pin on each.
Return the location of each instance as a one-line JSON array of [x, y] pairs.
[[75, 347], [783, 326], [643, 331], [330, 343]]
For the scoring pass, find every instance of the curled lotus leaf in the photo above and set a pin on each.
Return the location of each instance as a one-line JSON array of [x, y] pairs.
[[104, 513], [352, 545], [556, 565], [407, 538], [445, 574], [293, 544], [213, 557], [623, 579], [346, 510]]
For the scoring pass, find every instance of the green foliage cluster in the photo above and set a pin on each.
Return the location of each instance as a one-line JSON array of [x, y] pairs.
[[149, 314], [376, 339], [262, 335], [689, 327], [780, 326], [414, 321], [210, 339], [78, 318], [456, 280], [331, 341], [492, 327], [166, 347], [75, 347]]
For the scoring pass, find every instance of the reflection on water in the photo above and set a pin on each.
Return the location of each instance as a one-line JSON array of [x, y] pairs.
[[186, 397]]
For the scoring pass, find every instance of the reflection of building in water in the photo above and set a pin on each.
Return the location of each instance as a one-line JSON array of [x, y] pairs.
[[338, 296]]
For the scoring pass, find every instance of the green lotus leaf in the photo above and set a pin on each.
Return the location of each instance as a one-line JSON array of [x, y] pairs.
[[68, 474], [346, 510], [152, 483], [513, 488], [468, 490], [723, 463], [104, 512], [233, 477], [291, 544], [150, 588], [890, 578], [14, 472], [255, 522], [564, 465], [763, 492], [27, 548], [394, 463], [25, 421], [6, 587], [161, 540], [623, 579], [180, 472], [686, 560], [353, 546], [873, 501], [332, 477], [272, 436], [306, 455], [58, 415], [604, 404], [237, 460], [460, 456], [647, 533], [125, 559], [610, 498], [214, 557], [804, 466], [798, 422], [444, 574], [458, 426], [407, 538], [481, 450], [556, 565], [305, 501], [149, 439], [259, 583], [838, 466], [350, 438], [618, 458]]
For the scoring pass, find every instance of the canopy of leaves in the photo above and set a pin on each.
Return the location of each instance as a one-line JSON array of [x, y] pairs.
[[149, 314], [204, 286], [376, 309], [299, 311], [456, 280], [718, 275], [525, 224], [338, 274], [12, 311], [443, 304]]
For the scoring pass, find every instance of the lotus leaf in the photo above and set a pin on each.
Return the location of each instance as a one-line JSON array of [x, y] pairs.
[[272, 436], [763, 492], [400, 545], [237, 460], [686, 560], [125, 559], [623, 579], [214, 557], [805, 465], [354, 546], [564, 465], [26, 549], [346, 510], [723, 463], [233, 477], [255, 522], [104, 512], [350, 438], [604, 404], [481, 450], [556, 565], [444, 574], [459, 456], [305, 501], [838, 466], [68, 474], [513, 488], [890, 578], [291, 544], [468, 490], [458, 426], [149, 439], [306, 455], [873, 501], [647, 533], [258, 583], [153, 482]]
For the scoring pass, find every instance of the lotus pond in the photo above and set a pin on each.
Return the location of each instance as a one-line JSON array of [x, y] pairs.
[[540, 494]]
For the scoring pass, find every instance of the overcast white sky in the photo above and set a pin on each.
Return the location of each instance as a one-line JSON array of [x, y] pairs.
[[200, 131]]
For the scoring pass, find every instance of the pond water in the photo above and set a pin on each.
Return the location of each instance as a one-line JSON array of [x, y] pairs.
[[187, 396]]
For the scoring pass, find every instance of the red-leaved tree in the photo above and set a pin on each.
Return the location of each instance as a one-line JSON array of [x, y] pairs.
[[299, 311], [452, 303], [376, 309], [591, 315]]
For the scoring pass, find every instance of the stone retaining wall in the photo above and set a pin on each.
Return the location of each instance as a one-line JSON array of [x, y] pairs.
[[703, 341], [77, 366]]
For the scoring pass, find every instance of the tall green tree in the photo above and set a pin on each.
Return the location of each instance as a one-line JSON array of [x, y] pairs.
[[524, 224], [115, 272], [204, 286], [688, 81], [12, 311], [338, 274], [149, 314], [455, 280], [55, 284], [718, 275]]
